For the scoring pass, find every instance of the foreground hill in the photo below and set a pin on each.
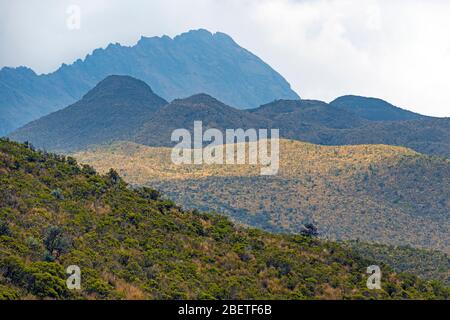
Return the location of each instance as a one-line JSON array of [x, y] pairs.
[[124, 108], [191, 63], [375, 193], [129, 243]]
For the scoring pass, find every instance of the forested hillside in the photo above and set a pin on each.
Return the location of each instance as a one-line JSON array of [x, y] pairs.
[[427, 264], [130, 243]]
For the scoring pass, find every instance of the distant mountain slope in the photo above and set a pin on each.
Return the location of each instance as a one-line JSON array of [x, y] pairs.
[[321, 123], [131, 244], [376, 193], [181, 113], [374, 109], [291, 114], [191, 63], [429, 136], [25, 96], [113, 110]]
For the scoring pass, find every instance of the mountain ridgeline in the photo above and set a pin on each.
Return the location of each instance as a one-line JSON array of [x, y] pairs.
[[124, 108], [193, 62], [374, 109], [334, 124], [113, 110]]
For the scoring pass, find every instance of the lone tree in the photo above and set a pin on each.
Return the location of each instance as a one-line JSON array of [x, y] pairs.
[[309, 230], [55, 242], [114, 176]]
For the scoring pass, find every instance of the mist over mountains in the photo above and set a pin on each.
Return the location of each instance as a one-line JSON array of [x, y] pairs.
[[191, 63]]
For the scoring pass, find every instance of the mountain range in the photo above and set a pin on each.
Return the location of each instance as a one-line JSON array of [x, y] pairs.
[[124, 108], [193, 62], [360, 182]]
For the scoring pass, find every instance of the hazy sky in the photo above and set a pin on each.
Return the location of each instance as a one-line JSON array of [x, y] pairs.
[[396, 50]]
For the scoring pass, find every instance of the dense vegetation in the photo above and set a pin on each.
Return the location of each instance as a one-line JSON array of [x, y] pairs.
[[375, 193], [130, 243], [426, 264]]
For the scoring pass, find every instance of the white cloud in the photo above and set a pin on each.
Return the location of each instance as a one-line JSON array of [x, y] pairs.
[[396, 50]]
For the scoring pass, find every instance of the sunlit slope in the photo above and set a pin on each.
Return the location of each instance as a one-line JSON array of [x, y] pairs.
[[137, 161], [378, 193], [131, 244]]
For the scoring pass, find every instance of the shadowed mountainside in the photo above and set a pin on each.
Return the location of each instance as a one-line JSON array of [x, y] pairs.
[[181, 113], [113, 110], [129, 110], [325, 124], [193, 62], [374, 109]]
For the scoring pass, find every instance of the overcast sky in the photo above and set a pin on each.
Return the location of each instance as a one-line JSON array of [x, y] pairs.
[[395, 50]]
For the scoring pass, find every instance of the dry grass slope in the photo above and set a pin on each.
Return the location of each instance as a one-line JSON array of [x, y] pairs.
[[378, 193]]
